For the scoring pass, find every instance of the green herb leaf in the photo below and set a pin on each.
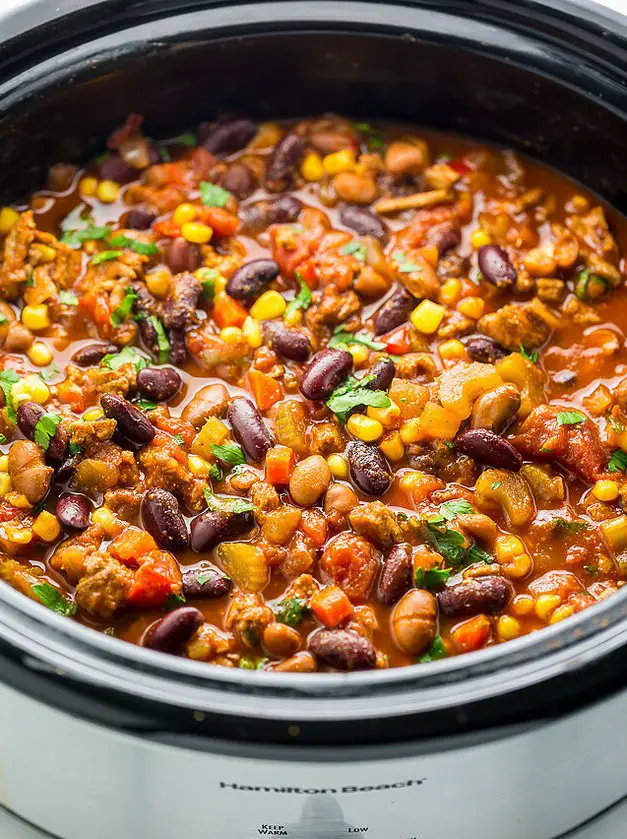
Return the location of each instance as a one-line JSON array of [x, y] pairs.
[[53, 599], [3, 319], [618, 461], [145, 404], [436, 651], [291, 611], [74, 449], [173, 601], [591, 569], [231, 454], [215, 473], [530, 356], [340, 336], [45, 430], [402, 263], [212, 195], [163, 344], [563, 527], [164, 154], [374, 138], [30, 282], [477, 554], [249, 662], [68, 297], [3, 439], [179, 439], [355, 249], [128, 355], [120, 314], [496, 485], [7, 379], [433, 579], [208, 279], [570, 417], [105, 256], [144, 248], [187, 138], [589, 286], [457, 507], [354, 393], [303, 299], [228, 503], [49, 372], [75, 238], [448, 543]]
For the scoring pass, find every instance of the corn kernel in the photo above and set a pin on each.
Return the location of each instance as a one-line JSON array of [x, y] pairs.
[[251, 330], [364, 428], [359, 352], [386, 416], [614, 530], [8, 217], [427, 317], [87, 186], [93, 414], [507, 547], [47, 526], [36, 388], [270, 305], [563, 611], [523, 605], [338, 465], [196, 232], [339, 161], [450, 292], [158, 283], [471, 307], [293, 318], [479, 238], [508, 628], [5, 484], [184, 213], [546, 604], [107, 191], [36, 317], [311, 168], [231, 335], [392, 446], [43, 253], [410, 431], [518, 567], [40, 354], [105, 518], [18, 535], [452, 350], [605, 490], [4, 463], [198, 466]]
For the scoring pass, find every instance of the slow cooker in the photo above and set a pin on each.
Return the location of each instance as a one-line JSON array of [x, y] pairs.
[[99, 738]]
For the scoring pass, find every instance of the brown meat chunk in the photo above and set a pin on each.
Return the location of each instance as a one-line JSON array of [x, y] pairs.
[[163, 470], [96, 380], [331, 308], [13, 269], [70, 556], [411, 365], [264, 496], [85, 432], [121, 459], [325, 437], [376, 522], [515, 325], [125, 503], [209, 644], [303, 588], [104, 587], [300, 556], [247, 617], [436, 458], [179, 309]]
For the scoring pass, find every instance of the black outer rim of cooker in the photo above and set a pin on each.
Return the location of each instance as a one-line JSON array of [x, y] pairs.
[[535, 678]]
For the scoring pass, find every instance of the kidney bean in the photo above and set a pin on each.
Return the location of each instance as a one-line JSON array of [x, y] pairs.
[[364, 222], [414, 621], [285, 209], [288, 343], [252, 278], [170, 632], [249, 429], [481, 348], [230, 136], [140, 217], [444, 237], [495, 266], [131, 422], [239, 181], [394, 312], [28, 415], [283, 162], [158, 383], [162, 518], [178, 346], [368, 468], [181, 255], [326, 370], [383, 372], [487, 447], [113, 168], [479, 595], [396, 575], [66, 470], [59, 445], [213, 526], [343, 648], [206, 582], [73, 511], [93, 354]]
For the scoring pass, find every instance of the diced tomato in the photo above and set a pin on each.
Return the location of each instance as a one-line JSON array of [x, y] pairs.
[[350, 562], [460, 166], [170, 446], [72, 395], [222, 222], [131, 545], [279, 465], [397, 341], [202, 162], [266, 390], [314, 525], [167, 228], [157, 577], [227, 311], [472, 634], [331, 606]]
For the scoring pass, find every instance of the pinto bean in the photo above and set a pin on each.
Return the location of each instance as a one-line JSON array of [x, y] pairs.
[[93, 354], [252, 278], [283, 162], [403, 158], [249, 429], [212, 527], [339, 500], [158, 383], [309, 480], [18, 338], [364, 222], [209, 401], [162, 518], [288, 343], [383, 372], [395, 578], [326, 370], [206, 582], [480, 595], [131, 422], [228, 136], [73, 511], [343, 649], [181, 255], [172, 631], [239, 180], [29, 474], [300, 663], [481, 348], [280, 640], [368, 468], [394, 312], [355, 188], [496, 408], [496, 267], [487, 447], [414, 621]]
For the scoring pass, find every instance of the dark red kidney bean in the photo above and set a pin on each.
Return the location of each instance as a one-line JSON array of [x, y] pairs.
[[181, 255], [73, 511], [213, 526], [66, 469], [239, 180], [59, 445], [369, 469], [444, 237], [224, 137], [363, 221], [495, 266], [326, 370], [158, 383], [206, 582], [396, 575], [131, 422], [487, 447], [480, 595], [249, 429], [172, 631], [28, 415], [481, 348], [178, 346], [140, 217], [343, 649], [394, 312], [283, 162], [383, 372], [113, 168], [288, 343], [162, 518], [285, 209], [93, 354], [252, 278]]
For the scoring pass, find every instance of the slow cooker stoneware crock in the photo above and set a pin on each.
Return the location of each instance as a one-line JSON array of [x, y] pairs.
[[99, 738]]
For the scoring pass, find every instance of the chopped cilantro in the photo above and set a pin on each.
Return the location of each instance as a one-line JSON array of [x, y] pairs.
[[143, 248], [432, 578], [291, 611], [374, 139], [179, 439], [570, 417], [74, 449], [164, 154], [120, 314], [303, 299], [618, 461], [163, 345], [45, 430], [187, 138], [340, 336], [145, 404], [233, 455], [457, 507], [68, 297], [105, 256], [591, 569], [7, 379], [3, 319], [496, 485], [355, 249], [562, 526], [530, 356], [3, 439], [212, 195], [451, 544], [215, 473], [477, 554], [228, 503], [49, 372], [173, 601], [402, 263], [75, 238], [128, 355], [436, 650], [208, 278], [52, 598], [354, 393]]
